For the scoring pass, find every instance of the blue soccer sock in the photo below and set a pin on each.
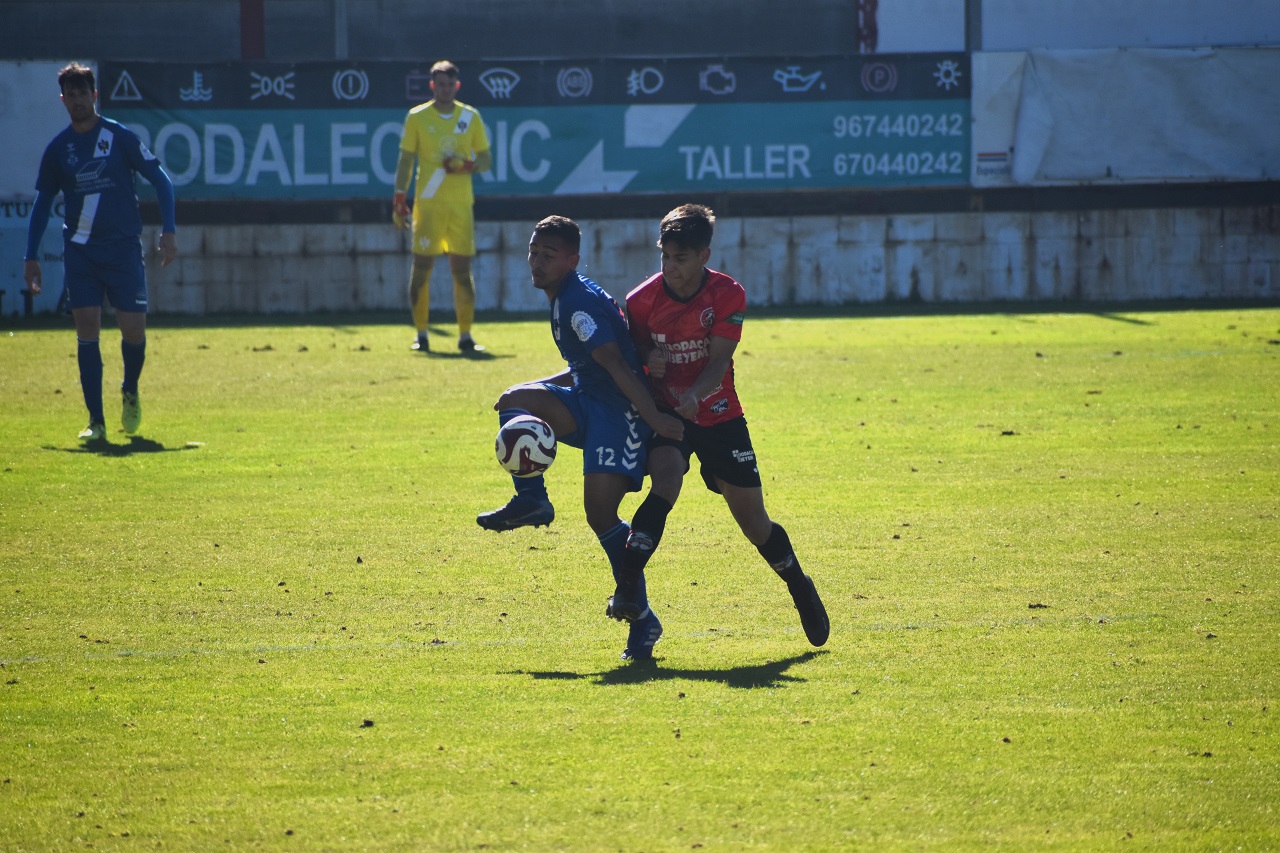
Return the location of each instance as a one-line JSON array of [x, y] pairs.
[[534, 488], [89, 356], [135, 355]]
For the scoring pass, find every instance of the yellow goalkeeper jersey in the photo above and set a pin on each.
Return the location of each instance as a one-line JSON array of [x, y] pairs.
[[434, 138]]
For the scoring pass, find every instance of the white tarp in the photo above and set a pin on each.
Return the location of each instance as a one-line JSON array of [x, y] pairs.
[[1148, 116]]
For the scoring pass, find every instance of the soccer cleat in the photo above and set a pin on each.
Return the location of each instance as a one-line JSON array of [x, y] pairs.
[[468, 345], [641, 638], [624, 609], [813, 616], [421, 343], [518, 512], [131, 412], [95, 431]]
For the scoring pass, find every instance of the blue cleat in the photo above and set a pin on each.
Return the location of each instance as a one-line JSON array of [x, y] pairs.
[[641, 638], [518, 512]]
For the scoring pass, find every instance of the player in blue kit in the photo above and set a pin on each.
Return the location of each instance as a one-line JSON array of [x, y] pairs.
[[600, 404], [93, 163]]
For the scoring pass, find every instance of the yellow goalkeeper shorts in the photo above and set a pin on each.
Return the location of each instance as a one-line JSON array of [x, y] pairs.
[[441, 228]]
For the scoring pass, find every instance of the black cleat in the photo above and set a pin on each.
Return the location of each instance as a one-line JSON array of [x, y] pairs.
[[421, 343], [468, 346], [518, 512], [623, 605], [813, 616]]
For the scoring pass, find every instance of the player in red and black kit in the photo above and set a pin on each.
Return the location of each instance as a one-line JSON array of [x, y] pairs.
[[686, 322]]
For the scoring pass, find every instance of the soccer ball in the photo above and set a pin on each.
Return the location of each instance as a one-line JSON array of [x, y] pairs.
[[526, 446]]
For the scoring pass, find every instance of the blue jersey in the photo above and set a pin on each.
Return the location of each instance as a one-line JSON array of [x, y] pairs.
[[94, 171], [584, 317]]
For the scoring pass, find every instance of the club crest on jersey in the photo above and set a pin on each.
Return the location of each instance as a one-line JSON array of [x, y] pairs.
[[708, 318], [103, 145], [72, 159], [583, 325]]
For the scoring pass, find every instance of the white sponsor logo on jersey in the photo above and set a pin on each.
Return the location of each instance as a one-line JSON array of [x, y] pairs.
[[583, 325]]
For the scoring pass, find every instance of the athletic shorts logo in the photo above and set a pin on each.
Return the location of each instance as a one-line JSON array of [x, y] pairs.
[[583, 325]]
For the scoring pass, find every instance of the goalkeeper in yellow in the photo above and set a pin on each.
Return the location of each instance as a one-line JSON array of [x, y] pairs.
[[447, 140]]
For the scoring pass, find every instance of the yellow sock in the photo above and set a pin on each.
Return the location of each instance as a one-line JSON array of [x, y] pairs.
[[464, 301], [420, 291]]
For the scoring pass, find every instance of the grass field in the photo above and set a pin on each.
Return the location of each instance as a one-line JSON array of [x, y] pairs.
[[1048, 544]]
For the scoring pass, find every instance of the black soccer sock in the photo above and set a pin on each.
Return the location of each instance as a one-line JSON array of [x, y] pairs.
[[134, 355], [647, 526], [89, 356], [779, 554]]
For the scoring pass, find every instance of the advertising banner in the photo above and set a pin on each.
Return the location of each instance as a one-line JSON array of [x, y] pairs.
[[332, 130]]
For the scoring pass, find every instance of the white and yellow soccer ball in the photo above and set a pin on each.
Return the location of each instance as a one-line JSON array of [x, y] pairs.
[[526, 446]]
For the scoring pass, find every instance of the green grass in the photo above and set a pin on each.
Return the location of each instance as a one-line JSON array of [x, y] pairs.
[[1048, 544]]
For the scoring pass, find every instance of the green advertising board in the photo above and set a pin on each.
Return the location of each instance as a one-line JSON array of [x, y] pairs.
[[324, 131]]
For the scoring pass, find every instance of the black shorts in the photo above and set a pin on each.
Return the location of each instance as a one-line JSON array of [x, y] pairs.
[[723, 450]]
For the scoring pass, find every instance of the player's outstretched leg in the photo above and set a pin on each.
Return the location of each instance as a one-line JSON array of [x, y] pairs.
[[530, 506], [781, 556]]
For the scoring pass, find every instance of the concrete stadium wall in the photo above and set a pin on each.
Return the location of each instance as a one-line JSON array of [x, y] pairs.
[[1079, 256]]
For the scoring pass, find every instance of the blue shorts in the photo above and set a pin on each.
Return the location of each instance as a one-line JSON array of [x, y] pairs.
[[613, 440], [114, 271]]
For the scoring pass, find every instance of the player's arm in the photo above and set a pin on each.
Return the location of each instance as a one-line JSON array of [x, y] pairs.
[[159, 178], [40, 209], [400, 200], [653, 359], [479, 143], [712, 376], [609, 356]]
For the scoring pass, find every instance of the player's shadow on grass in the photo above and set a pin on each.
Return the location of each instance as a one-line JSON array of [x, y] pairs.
[[133, 445], [773, 674], [472, 355]]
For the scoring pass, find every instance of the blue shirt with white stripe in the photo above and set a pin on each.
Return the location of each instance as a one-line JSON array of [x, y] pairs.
[[584, 316], [95, 171]]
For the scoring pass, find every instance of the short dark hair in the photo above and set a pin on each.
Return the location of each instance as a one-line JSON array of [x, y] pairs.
[[446, 68], [76, 76], [690, 226], [560, 226]]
